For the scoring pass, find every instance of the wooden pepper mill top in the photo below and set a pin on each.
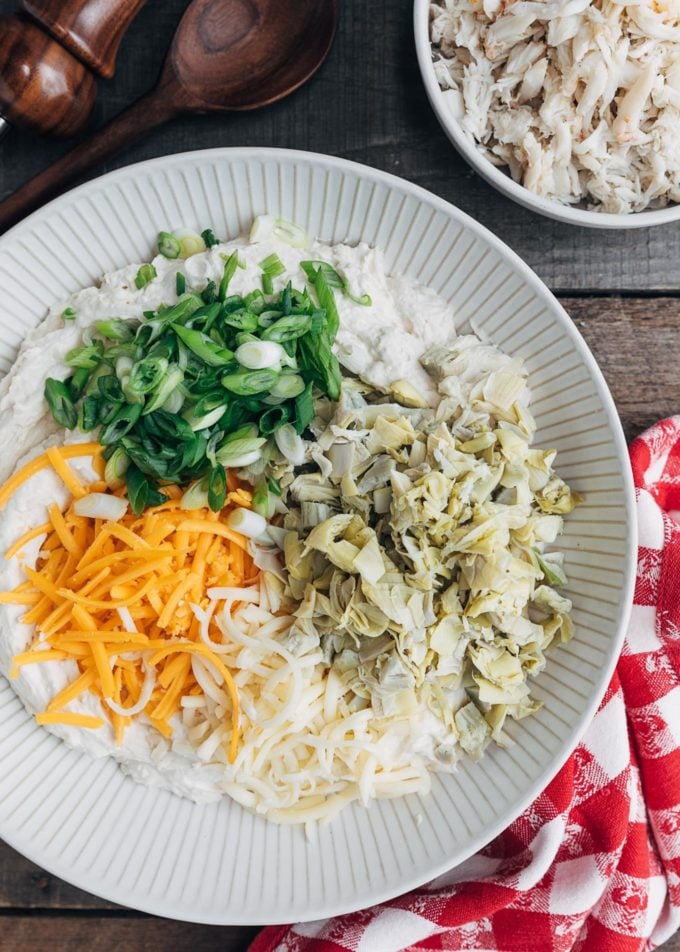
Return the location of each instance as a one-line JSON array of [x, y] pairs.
[[48, 58]]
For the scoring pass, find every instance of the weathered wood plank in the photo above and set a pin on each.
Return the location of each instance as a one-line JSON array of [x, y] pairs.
[[367, 104], [636, 343], [23, 885], [133, 934], [118, 934]]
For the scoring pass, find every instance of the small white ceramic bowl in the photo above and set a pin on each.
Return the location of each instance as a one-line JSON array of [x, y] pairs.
[[494, 174]]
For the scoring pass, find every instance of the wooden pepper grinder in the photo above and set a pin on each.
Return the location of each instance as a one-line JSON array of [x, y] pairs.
[[49, 56]]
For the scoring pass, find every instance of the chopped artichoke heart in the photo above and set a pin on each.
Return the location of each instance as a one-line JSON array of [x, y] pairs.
[[368, 563], [414, 542]]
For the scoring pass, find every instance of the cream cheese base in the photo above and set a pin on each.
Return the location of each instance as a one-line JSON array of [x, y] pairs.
[[381, 343]]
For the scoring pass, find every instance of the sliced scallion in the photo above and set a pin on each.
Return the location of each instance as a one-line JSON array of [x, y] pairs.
[[168, 385], [334, 279], [248, 523], [190, 243], [196, 496], [217, 488], [116, 467], [288, 386], [273, 266], [288, 328], [274, 418], [180, 283], [85, 357], [259, 355], [230, 266], [168, 245], [114, 328], [238, 453], [60, 403], [146, 273], [201, 345], [262, 504], [249, 382]]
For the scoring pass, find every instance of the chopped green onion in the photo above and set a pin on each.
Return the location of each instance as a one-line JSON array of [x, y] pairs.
[[121, 423], [255, 300], [201, 345], [217, 488], [304, 409], [273, 266], [69, 314], [209, 293], [288, 328], [91, 413], [274, 486], [288, 386], [259, 355], [274, 418], [290, 444], [174, 402], [230, 266], [116, 329], [246, 383], [238, 453], [248, 432], [267, 283], [140, 492], [334, 279], [146, 375], [196, 496], [262, 503], [180, 284], [327, 302], [86, 358], [146, 273], [205, 420], [190, 243], [168, 245], [168, 385], [60, 403], [116, 467], [77, 382], [209, 239], [242, 320], [248, 523]]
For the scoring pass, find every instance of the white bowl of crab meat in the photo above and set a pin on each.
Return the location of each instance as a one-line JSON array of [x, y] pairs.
[[570, 109], [381, 343]]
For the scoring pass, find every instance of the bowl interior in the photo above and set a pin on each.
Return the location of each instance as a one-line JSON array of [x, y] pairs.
[[87, 822], [498, 177]]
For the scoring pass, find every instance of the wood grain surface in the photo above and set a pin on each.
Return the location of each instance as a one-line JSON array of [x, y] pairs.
[[367, 104]]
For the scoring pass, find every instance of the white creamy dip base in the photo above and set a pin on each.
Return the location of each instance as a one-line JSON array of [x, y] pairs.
[[381, 343]]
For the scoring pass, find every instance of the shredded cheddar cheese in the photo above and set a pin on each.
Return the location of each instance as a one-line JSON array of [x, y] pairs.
[[116, 597]]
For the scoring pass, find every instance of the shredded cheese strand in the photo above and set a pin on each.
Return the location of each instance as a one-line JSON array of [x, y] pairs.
[[113, 599]]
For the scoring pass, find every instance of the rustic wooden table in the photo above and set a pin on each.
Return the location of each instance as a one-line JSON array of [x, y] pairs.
[[366, 104]]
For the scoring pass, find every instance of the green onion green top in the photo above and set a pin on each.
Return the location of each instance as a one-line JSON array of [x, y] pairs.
[[167, 395]]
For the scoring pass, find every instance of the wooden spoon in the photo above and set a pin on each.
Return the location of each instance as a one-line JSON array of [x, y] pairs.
[[226, 55]]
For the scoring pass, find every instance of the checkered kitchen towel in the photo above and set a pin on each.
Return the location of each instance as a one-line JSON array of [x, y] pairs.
[[594, 864]]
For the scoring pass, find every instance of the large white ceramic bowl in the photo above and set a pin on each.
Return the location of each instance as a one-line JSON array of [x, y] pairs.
[[499, 177], [83, 819]]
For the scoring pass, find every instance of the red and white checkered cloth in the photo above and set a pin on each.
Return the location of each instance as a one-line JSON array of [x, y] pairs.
[[594, 864]]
